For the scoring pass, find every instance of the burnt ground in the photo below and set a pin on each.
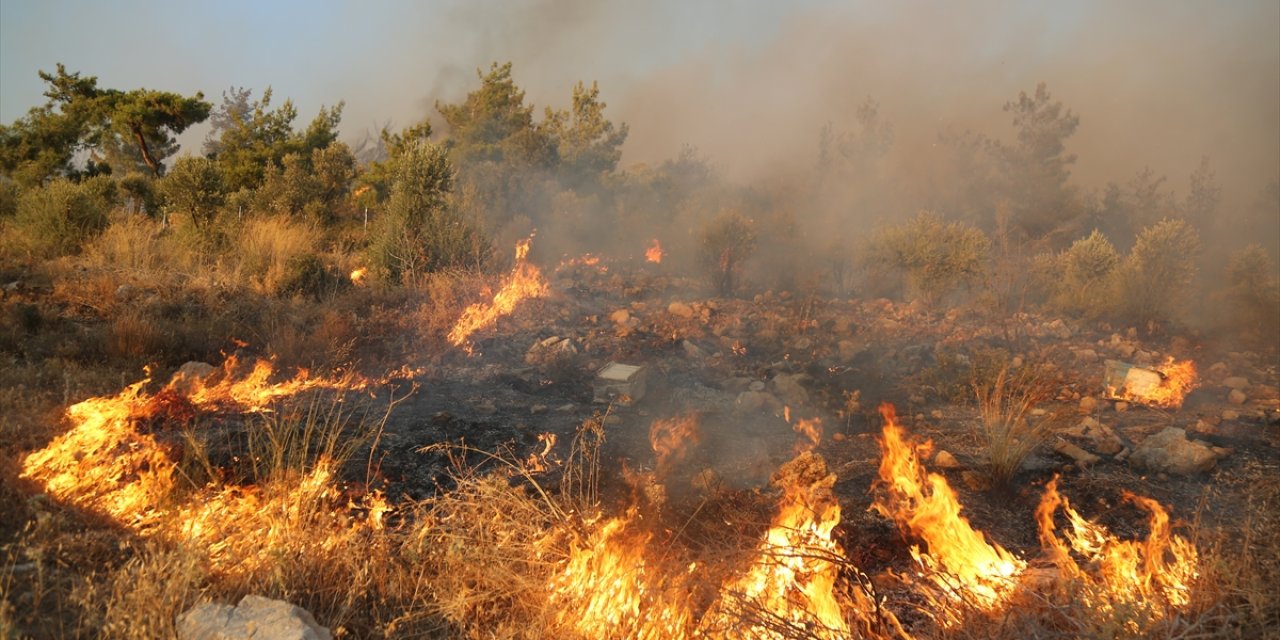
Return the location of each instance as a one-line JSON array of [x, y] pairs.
[[737, 363]]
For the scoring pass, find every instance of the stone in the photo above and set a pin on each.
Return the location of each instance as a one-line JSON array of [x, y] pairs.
[[1237, 397], [1121, 407], [787, 388], [191, 376], [1229, 415], [680, 309], [945, 460], [1097, 437], [1169, 451], [757, 401], [1086, 356], [1088, 404], [621, 316], [550, 350], [1219, 369], [692, 350], [848, 350], [254, 617], [1236, 382], [1080, 456], [756, 385]]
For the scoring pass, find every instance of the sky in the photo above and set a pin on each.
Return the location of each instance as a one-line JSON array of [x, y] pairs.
[[749, 83]]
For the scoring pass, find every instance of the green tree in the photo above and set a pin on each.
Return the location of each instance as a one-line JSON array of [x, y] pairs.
[[493, 124], [1037, 166], [194, 187], [255, 137], [589, 146], [728, 240], [56, 218], [1155, 279], [419, 232]]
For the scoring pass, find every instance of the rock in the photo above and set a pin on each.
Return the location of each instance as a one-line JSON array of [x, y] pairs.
[[680, 309], [692, 350], [621, 316], [1218, 369], [255, 617], [1236, 382], [757, 401], [191, 376], [1229, 414], [1126, 350], [1086, 356], [1236, 397], [802, 344], [1121, 406], [848, 350], [1081, 457], [945, 460], [550, 350], [787, 387], [1088, 404], [1171, 452], [1097, 436], [756, 385]]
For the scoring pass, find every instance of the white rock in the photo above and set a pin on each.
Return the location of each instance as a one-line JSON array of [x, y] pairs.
[[255, 617]]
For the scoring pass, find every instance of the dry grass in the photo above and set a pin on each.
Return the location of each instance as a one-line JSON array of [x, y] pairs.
[[1006, 429]]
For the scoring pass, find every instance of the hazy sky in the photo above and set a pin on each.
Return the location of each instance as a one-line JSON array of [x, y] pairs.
[[749, 83]]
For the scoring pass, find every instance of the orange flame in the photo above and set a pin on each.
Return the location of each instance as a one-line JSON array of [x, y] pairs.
[[958, 558], [1175, 380], [358, 276], [1120, 576], [671, 438], [654, 253], [524, 282]]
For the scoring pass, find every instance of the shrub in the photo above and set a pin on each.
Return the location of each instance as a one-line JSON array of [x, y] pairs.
[[1253, 292], [936, 256], [1080, 278], [57, 217], [727, 241], [1005, 431], [420, 232], [267, 249], [194, 187], [1155, 279]]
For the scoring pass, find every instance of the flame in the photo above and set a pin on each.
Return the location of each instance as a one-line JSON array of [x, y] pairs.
[[1176, 380], [524, 282], [358, 276], [809, 429], [111, 462], [1120, 576], [958, 559], [790, 588], [539, 462], [654, 253], [671, 439], [611, 587]]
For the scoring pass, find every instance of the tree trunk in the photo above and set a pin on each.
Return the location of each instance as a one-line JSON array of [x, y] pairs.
[[146, 153]]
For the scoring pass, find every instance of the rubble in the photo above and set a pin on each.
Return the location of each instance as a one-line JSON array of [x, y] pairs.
[[1080, 456], [1098, 437]]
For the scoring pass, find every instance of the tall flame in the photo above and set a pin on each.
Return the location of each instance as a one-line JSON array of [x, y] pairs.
[[1167, 389], [1120, 575], [525, 281], [958, 558]]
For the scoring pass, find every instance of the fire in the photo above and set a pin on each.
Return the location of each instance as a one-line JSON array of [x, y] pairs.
[[1166, 387], [809, 429], [110, 461], [358, 276], [612, 588], [524, 282], [654, 253], [958, 559], [1120, 575], [671, 439]]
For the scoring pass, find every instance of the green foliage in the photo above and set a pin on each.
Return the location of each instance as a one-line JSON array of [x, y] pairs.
[[1155, 279], [494, 125], [587, 144], [253, 137], [936, 256], [138, 193], [728, 240], [1035, 169], [1081, 277], [419, 232], [1253, 293], [56, 218], [313, 188], [194, 187]]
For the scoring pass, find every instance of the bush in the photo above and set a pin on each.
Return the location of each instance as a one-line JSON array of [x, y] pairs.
[[1253, 293], [1080, 278], [57, 217], [194, 187], [936, 256], [1155, 279], [420, 232], [727, 241], [273, 251]]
